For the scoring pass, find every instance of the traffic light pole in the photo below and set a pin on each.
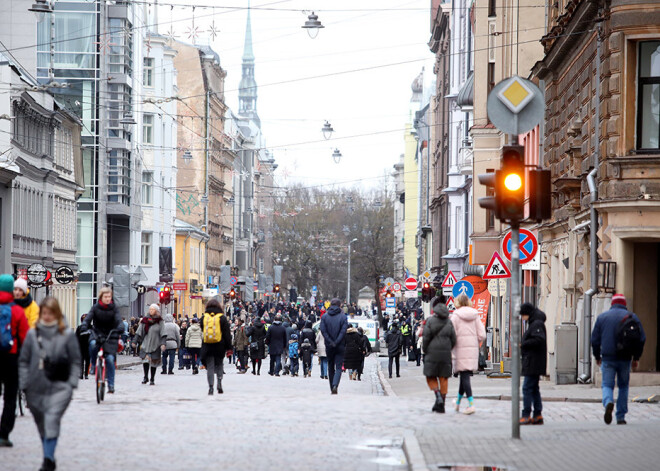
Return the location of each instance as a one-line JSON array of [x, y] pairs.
[[515, 330]]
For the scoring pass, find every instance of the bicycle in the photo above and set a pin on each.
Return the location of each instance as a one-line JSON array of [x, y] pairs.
[[99, 370]]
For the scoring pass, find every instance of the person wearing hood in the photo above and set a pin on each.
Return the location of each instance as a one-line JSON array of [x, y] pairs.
[[308, 333], [151, 338], [394, 341], [470, 332], [366, 351], [106, 324], [193, 342], [48, 372], [277, 343], [83, 343], [23, 298], [333, 327], [353, 356], [438, 339], [534, 350], [173, 341], [257, 334], [216, 341]]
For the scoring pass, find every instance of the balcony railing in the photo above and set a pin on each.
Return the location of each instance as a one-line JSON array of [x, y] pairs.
[[465, 158]]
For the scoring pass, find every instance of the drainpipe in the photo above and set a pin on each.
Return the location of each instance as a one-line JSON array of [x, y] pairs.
[[585, 377]]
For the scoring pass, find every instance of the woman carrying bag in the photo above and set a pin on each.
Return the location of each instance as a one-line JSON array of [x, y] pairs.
[[438, 339], [48, 373], [151, 337]]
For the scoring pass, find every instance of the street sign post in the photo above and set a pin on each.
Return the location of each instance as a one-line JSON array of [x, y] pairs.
[[450, 305], [515, 105], [463, 287], [496, 268], [449, 281], [411, 283], [411, 294], [396, 286], [233, 280], [528, 245]]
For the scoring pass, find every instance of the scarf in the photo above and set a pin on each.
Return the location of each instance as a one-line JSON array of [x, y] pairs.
[[149, 321], [25, 301]]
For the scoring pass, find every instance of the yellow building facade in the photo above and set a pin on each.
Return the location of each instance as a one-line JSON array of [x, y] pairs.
[[190, 263], [411, 205]]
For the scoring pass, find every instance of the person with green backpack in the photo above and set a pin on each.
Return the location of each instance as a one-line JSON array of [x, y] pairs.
[[215, 343]]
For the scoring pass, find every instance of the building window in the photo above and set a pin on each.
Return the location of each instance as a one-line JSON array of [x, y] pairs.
[[492, 7], [648, 106], [147, 129], [148, 72], [146, 248], [147, 187], [491, 76]]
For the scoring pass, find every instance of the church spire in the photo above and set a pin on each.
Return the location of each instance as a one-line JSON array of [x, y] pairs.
[[247, 89]]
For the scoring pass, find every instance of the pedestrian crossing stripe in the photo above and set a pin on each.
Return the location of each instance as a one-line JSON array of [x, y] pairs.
[[450, 305], [496, 268]]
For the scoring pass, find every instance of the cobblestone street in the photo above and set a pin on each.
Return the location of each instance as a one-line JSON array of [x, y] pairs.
[[294, 423]]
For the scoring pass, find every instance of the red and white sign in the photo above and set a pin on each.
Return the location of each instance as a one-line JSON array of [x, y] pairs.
[[411, 283], [528, 246], [480, 303], [396, 286], [450, 305], [180, 286], [449, 281], [496, 268]]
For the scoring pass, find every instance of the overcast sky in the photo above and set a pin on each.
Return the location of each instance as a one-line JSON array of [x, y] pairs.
[[368, 108]]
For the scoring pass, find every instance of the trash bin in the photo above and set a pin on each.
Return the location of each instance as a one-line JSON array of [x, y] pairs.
[[566, 343]]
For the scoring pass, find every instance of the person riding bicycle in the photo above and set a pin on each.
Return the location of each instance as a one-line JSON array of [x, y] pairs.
[[104, 322]]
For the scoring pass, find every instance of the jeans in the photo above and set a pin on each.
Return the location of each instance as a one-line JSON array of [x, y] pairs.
[[275, 364], [170, 352], [335, 361], [531, 396], [324, 367], [619, 370], [109, 363], [393, 358], [294, 365], [9, 381], [214, 367]]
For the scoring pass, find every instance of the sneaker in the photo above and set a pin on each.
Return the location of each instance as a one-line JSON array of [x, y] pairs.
[[111, 390], [5, 442], [525, 421], [538, 420], [621, 422], [608, 413], [469, 411]]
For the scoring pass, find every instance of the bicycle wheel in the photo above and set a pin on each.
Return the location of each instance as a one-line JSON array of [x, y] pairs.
[[22, 403], [99, 382]]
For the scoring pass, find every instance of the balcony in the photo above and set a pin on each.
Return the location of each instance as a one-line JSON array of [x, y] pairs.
[[465, 157]]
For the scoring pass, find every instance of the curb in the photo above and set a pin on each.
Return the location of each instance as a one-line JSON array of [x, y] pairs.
[[125, 366], [386, 385], [413, 452]]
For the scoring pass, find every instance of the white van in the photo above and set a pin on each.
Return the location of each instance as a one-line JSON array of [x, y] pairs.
[[371, 329]]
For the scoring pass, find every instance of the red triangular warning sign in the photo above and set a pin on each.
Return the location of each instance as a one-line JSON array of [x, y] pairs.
[[450, 305], [450, 280], [496, 268]]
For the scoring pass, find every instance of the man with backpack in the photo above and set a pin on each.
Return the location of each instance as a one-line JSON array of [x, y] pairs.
[[13, 329], [618, 337]]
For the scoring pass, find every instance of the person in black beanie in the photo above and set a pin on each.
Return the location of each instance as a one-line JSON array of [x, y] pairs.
[[534, 352]]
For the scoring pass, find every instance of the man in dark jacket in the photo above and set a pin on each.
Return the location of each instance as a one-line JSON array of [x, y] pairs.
[[534, 350], [615, 364], [276, 340], [333, 328], [394, 341]]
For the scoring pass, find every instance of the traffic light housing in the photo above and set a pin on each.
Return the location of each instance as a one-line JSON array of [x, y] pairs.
[[389, 294], [540, 203], [427, 292], [232, 294], [165, 295], [510, 185], [489, 180], [276, 289]]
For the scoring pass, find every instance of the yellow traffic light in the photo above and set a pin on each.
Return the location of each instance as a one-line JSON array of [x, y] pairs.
[[513, 182]]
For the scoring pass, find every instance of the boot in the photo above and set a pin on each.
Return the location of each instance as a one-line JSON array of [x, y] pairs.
[[48, 465], [439, 405], [210, 390]]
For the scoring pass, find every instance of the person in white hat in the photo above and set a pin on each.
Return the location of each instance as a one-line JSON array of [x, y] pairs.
[[23, 298]]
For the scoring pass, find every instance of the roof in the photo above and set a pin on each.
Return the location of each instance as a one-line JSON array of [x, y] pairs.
[[466, 95], [184, 227]]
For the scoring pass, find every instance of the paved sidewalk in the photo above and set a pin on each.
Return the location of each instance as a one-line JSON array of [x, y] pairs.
[[573, 437]]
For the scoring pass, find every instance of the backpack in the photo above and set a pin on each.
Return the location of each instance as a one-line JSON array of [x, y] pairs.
[[293, 350], [628, 338], [212, 330], [6, 335]]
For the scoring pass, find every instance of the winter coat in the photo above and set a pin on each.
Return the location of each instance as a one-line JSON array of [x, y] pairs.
[[394, 341], [603, 337], [306, 353], [219, 349], [105, 322], [438, 339], [83, 341], [30, 307], [470, 332], [241, 341], [534, 346], [320, 345], [19, 323], [366, 345], [353, 354], [47, 400], [276, 338], [257, 333], [150, 342], [194, 336], [172, 333], [333, 327], [308, 333]]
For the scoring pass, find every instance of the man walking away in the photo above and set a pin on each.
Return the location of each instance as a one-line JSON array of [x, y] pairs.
[[333, 328], [276, 341], [618, 337], [173, 334], [534, 351], [394, 341], [13, 329]]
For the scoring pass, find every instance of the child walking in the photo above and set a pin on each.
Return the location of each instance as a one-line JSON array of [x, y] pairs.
[[293, 354], [307, 353]]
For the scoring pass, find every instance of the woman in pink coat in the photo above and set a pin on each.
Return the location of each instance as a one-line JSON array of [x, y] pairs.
[[470, 332]]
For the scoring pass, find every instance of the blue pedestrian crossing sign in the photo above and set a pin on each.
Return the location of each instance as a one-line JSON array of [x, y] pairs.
[[463, 287]]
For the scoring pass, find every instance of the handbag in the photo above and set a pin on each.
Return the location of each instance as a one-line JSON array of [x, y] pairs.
[[57, 369]]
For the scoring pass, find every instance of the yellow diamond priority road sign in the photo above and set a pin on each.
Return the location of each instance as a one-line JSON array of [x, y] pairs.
[[515, 105], [515, 94]]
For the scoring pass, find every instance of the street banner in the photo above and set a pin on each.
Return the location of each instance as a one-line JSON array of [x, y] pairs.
[[480, 303]]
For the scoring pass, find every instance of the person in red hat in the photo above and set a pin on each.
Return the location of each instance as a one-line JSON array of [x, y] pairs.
[[617, 339]]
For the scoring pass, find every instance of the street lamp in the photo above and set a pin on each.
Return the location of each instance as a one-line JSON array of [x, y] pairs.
[[128, 120], [336, 155], [312, 25], [348, 295], [327, 130]]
